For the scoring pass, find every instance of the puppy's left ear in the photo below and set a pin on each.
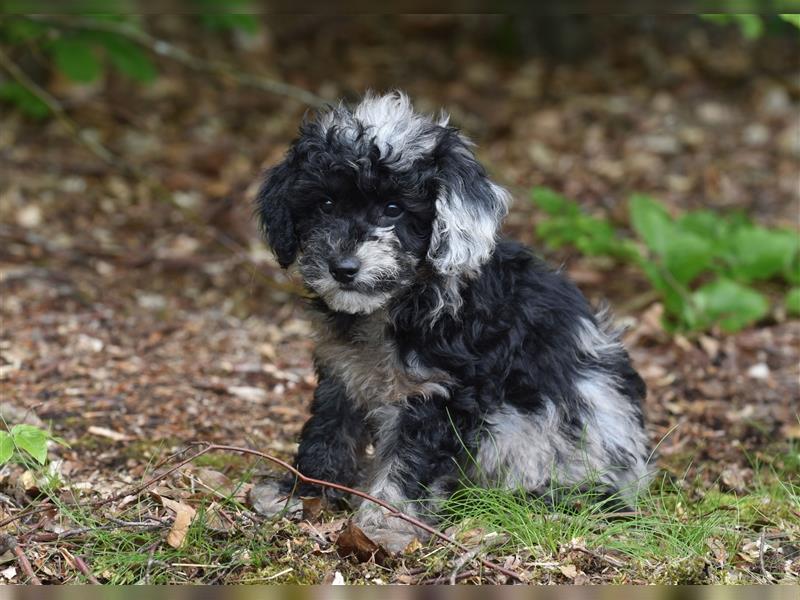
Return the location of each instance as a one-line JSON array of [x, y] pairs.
[[274, 216], [469, 209]]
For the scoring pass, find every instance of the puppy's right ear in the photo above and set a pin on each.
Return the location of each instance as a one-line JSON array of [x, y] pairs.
[[274, 216]]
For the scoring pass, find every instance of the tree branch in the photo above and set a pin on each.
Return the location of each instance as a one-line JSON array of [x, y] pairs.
[[55, 107], [178, 54]]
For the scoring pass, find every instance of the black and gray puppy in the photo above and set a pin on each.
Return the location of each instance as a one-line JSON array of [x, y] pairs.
[[442, 353]]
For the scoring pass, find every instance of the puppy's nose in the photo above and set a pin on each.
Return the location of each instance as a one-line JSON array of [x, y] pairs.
[[345, 269]]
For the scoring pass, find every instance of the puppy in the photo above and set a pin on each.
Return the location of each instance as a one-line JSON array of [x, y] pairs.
[[442, 353]]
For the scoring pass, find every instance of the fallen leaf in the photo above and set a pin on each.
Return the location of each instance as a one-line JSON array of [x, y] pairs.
[[569, 571], [717, 547], [215, 481], [108, 433], [312, 508], [413, 546], [9, 573], [354, 542], [184, 515], [248, 393]]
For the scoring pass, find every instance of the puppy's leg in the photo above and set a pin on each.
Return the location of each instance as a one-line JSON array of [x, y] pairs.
[[416, 452], [332, 444]]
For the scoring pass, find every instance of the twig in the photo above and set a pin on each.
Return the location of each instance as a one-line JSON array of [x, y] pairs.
[[80, 565], [465, 558], [601, 557], [178, 54], [393, 512], [441, 579], [10, 542], [84, 568], [151, 551], [55, 107], [761, 543]]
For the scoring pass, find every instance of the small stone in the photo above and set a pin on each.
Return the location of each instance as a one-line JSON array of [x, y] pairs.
[[758, 371], [755, 135]]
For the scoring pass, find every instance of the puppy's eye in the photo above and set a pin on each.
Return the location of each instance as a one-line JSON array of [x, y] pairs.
[[326, 205], [393, 210]]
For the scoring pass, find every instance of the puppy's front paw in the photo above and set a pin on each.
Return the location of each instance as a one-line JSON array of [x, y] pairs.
[[391, 533], [269, 499]]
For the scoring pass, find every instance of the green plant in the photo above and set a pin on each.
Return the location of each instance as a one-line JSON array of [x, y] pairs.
[[83, 48], [24, 441], [705, 266], [752, 26]]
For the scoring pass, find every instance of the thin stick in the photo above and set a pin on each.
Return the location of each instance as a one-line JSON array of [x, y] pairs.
[[81, 565], [178, 54], [10, 542], [393, 512], [84, 568]]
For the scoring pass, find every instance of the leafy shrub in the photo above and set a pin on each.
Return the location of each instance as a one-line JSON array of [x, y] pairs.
[[23, 441], [83, 48], [752, 26], [703, 265]]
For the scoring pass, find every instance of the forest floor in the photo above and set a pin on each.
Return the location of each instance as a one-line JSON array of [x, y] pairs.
[[141, 312]]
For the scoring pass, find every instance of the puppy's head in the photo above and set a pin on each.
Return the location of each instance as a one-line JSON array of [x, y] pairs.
[[367, 199]]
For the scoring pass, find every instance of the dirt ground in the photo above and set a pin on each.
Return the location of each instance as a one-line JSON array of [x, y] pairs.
[[142, 312]]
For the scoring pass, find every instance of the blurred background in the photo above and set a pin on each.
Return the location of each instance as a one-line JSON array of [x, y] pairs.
[[656, 158]]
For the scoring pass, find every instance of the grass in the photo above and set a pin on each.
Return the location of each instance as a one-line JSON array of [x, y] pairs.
[[681, 531]]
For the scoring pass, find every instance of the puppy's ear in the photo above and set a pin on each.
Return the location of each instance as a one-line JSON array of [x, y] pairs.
[[274, 216], [469, 209]]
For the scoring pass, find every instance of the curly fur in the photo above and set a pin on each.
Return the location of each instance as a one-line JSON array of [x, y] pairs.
[[449, 351]]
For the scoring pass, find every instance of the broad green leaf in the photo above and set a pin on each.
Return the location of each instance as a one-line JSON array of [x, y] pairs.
[[31, 439], [686, 255], [792, 302], [6, 447], [552, 202], [751, 26], [21, 29], [76, 59], [16, 94], [651, 222], [130, 58], [731, 304], [704, 223], [758, 253], [792, 18]]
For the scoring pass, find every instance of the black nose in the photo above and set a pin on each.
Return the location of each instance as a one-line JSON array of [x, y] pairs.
[[345, 269]]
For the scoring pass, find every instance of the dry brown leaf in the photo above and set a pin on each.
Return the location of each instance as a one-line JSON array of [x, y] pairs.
[[312, 508], [184, 515], [108, 433], [215, 481], [413, 546], [354, 542], [569, 571]]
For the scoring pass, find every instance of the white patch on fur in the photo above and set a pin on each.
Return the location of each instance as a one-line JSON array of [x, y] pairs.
[[392, 533], [527, 451], [464, 234], [371, 368], [391, 123], [352, 302], [379, 258], [448, 299], [596, 340], [615, 422]]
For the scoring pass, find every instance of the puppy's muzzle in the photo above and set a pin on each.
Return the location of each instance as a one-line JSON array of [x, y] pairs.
[[344, 269]]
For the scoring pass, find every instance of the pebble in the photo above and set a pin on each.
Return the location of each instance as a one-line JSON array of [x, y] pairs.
[[758, 371]]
